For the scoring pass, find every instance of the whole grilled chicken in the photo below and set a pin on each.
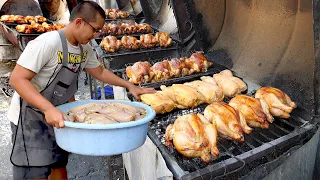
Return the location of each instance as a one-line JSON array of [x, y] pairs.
[[227, 120], [113, 29], [40, 19], [279, 103], [255, 112], [24, 28], [20, 19], [8, 18], [144, 28], [110, 43], [193, 138], [231, 85], [139, 72], [161, 71], [148, 40], [159, 102], [163, 39], [178, 67], [184, 96], [130, 42], [212, 93], [198, 62], [129, 28]]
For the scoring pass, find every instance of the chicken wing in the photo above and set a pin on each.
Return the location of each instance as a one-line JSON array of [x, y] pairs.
[[279, 103]]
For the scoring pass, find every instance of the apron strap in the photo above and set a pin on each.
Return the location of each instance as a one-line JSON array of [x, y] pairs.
[[65, 49]]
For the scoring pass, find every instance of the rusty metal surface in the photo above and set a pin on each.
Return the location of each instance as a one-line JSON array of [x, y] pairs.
[[269, 42]]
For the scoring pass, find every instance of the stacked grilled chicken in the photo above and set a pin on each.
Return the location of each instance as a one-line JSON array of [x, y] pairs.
[[105, 113], [125, 28], [22, 19], [196, 135], [112, 44], [116, 14], [143, 72]]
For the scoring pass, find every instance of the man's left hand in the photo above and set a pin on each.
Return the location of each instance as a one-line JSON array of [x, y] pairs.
[[137, 91]]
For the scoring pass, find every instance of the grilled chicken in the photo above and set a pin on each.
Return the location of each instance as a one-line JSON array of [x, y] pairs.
[[129, 28], [161, 71], [198, 62], [184, 96], [110, 43], [139, 72], [40, 19], [159, 102], [113, 29], [147, 40], [20, 19], [123, 14], [54, 26], [227, 120], [24, 28], [231, 85], [279, 103], [8, 18], [130, 42], [163, 39], [178, 67], [192, 138], [255, 112], [116, 14], [105, 113], [144, 28], [211, 93], [30, 18]]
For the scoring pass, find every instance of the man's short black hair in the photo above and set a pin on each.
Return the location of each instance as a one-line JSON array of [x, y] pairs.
[[88, 11]]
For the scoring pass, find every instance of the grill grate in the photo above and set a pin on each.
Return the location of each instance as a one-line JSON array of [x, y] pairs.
[[233, 155]]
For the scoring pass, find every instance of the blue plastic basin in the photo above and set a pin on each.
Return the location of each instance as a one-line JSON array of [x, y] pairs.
[[103, 140]]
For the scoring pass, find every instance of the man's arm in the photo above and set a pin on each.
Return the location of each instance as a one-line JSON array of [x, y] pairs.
[[20, 81]]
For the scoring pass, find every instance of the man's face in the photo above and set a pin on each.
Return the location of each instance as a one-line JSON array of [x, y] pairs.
[[89, 30]]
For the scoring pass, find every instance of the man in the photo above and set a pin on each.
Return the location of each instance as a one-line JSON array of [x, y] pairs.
[[46, 76]]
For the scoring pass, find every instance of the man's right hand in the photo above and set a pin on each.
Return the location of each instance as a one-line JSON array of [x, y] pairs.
[[55, 117]]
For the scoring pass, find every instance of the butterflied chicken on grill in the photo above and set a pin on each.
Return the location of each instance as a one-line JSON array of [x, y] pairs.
[[144, 28], [112, 13], [255, 112], [7, 18], [212, 93], [30, 18], [227, 120], [129, 28], [209, 79], [193, 138], [139, 72], [147, 40], [198, 62], [184, 96], [231, 85], [123, 14], [163, 39], [110, 43], [279, 103], [178, 67], [37, 27], [40, 19], [24, 28], [159, 102], [130, 42], [20, 19], [105, 113], [113, 29], [161, 71]]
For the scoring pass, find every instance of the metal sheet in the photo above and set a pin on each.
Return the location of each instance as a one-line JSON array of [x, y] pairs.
[[25, 8]]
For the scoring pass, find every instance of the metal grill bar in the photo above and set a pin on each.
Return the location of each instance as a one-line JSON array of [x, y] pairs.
[[286, 131]]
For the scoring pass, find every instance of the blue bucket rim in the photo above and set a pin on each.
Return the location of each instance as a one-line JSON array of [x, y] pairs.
[[150, 114]]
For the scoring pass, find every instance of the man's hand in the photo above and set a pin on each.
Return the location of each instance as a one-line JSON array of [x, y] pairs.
[[55, 117], [137, 91]]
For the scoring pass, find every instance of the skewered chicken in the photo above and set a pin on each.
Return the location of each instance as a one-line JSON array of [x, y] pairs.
[[159, 102], [110, 44], [255, 112], [161, 71], [227, 120], [191, 137], [184, 96], [279, 103], [163, 39], [129, 28], [130, 42], [147, 40], [178, 67], [211, 93], [139, 72], [105, 113], [8, 18], [231, 85], [198, 62], [144, 28]]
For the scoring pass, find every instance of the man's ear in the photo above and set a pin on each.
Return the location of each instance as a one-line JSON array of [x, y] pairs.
[[78, 21]]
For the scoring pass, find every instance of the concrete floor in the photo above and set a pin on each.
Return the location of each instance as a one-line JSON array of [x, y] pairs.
[[79, 167]]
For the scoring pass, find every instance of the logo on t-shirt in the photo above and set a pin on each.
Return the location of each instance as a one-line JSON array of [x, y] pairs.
[[74, 60]]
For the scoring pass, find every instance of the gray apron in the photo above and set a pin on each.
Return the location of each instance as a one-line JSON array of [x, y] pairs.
[[34, 142]]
